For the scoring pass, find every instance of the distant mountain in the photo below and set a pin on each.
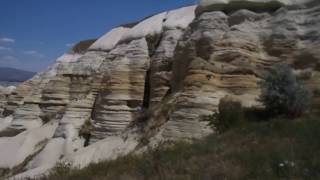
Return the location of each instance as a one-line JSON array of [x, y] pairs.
[[14, 75]]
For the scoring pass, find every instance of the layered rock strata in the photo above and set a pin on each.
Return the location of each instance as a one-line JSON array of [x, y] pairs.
[[154, 80]]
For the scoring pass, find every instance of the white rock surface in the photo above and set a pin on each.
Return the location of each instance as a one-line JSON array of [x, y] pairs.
[[72, 141], [27, 117], [108, 149], [35, 173], [7, 90], [109, 40], [5, 122], [10, 89], [150, 26], [49, 155], [67, 58], [13, 151], [180, 18], [45, 160]]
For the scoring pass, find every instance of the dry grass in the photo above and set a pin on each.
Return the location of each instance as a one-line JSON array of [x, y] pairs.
[[276, 149]]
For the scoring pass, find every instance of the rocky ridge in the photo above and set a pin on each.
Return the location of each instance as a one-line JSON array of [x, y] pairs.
[[153, 81]]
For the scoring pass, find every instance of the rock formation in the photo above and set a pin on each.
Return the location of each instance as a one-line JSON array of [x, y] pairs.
[[153, 81]]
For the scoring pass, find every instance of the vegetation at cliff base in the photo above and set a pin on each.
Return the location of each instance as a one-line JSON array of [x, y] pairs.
[[274, 149], [230, 114], [283, 93]]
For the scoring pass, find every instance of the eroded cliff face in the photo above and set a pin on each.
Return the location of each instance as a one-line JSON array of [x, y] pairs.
[[152, 81]]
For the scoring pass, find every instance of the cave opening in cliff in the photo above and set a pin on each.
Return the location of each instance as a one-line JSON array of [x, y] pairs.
[[146, 95]]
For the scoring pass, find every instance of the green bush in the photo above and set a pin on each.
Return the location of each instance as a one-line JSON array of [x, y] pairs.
[[283, 93], [61, 169], [85, 131], [316, 92], [230, 115]]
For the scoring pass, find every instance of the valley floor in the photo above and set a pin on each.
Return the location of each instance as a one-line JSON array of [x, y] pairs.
[[275, 149]]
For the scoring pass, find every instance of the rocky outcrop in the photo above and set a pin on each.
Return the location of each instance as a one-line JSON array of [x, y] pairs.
[[163, 56], [4, 93], [155, 79], [229, 6], [225, 54], [16, 149], [121, 101]]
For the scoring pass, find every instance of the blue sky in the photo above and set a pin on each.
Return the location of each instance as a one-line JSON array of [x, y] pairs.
[[33, 33]]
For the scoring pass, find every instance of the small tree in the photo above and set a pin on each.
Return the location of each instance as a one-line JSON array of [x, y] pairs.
[[283, 93], [85, 131], [230, 115]]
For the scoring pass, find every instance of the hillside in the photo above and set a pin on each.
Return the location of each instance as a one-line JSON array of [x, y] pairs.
[[276, 149], [14, 75], [152, 82]]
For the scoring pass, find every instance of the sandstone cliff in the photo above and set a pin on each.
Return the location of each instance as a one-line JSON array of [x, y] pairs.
[[153, 81]]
